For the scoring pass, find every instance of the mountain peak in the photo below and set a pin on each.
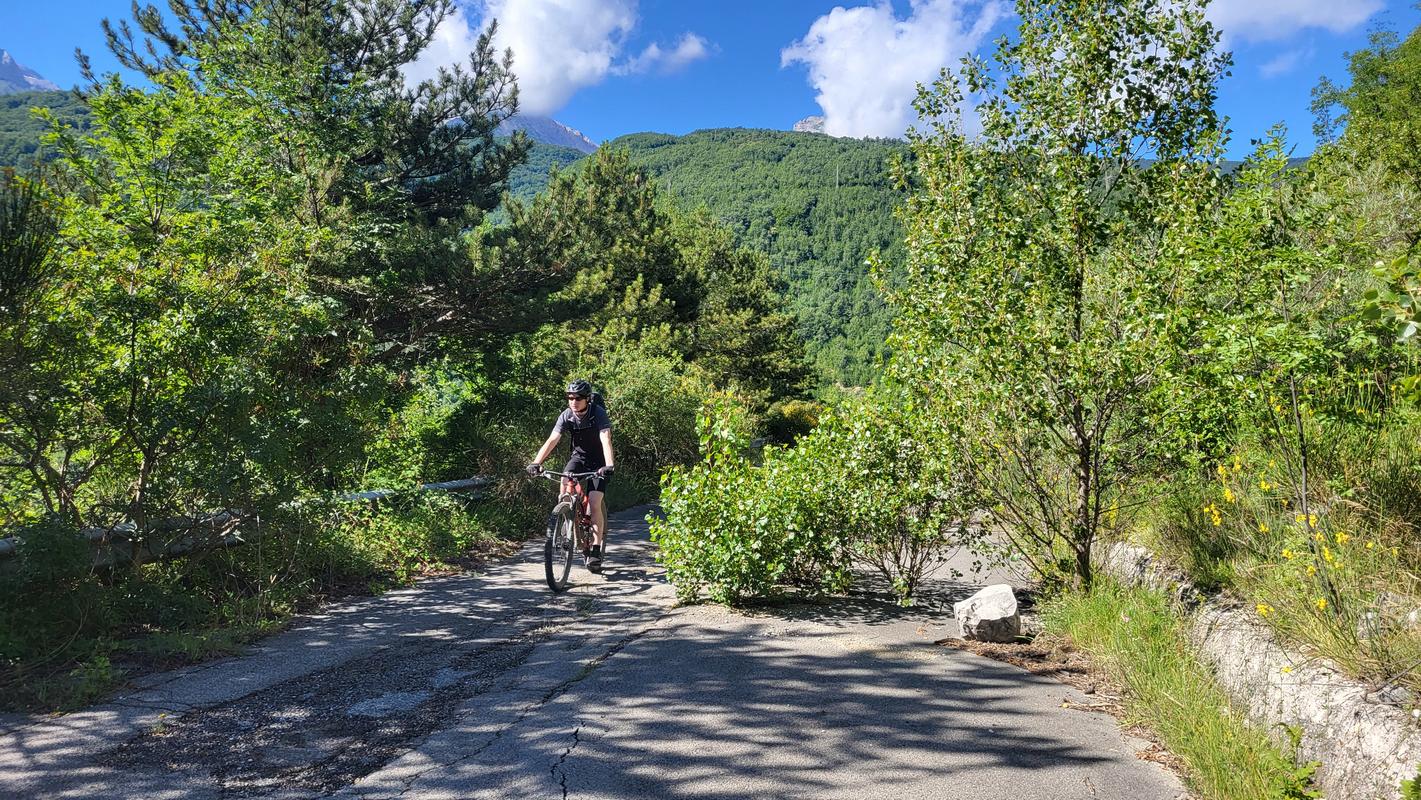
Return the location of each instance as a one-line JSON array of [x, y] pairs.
[[814, 124], [16, 77], [548, 131]]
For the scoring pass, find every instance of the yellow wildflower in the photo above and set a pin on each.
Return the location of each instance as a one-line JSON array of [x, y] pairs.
[[1321, 603], [1312, 570], [1370, 545], [1264, 485], [1318, 537], [1228, 495], [1262, 527], [1286, 670], [1288, 554], [1343, 536], [1272, 463], [1264, 609], [1299, 519], [1327, 555], [1237, 465]]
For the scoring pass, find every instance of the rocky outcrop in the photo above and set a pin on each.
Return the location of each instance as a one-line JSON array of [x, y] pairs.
[[813, 124], [1367, 744], [547, 131]]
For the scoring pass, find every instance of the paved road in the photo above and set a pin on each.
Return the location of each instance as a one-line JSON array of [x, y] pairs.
[[487, 686]]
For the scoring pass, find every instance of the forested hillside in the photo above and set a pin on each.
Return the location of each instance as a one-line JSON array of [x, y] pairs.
[[526, 180], [816, 205], [21, 131]]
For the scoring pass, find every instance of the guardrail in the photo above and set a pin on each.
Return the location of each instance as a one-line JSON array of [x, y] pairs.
[[122, 543]]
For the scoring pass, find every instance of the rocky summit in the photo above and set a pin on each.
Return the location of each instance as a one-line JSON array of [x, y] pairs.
[[16, 77], [547, 131], [814, 124]]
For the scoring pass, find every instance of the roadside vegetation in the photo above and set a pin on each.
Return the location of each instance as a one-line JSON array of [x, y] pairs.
[[1135, 637], [268, 277], [1101, 333]]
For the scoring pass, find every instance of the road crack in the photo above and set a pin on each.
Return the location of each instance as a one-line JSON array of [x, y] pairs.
[[558, 770]]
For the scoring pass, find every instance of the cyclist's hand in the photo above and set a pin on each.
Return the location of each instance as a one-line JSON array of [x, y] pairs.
[[534, 469], [605, 471]]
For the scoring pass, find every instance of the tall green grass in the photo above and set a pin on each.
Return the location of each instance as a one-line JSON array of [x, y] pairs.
[[1137, 640]]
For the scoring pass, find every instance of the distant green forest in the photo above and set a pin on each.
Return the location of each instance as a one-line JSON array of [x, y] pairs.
[[526, 180], [818, 206], [21, 131]]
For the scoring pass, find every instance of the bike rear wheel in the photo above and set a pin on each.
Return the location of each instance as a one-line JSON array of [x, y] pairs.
[[559, 549]]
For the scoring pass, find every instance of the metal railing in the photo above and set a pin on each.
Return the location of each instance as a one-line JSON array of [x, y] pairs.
[[122, 543]]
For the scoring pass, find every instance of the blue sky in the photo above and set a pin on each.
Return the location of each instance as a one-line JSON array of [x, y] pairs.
[[610, 67]]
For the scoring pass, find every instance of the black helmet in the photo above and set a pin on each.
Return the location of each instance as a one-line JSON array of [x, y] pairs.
[[580, 388]]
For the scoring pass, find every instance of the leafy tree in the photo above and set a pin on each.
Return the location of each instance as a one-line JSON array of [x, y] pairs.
[[639, 275], [1040, 317], [1378, 116], [1373, 127], [397, 174]]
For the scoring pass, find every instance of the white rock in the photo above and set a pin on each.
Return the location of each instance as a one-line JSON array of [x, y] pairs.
[[990, 615]]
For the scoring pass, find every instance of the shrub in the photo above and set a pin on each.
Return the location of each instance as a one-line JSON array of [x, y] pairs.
[[787, 421], [860, 485], [1337, 580]]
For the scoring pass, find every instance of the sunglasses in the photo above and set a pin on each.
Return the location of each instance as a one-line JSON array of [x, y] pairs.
[[576, 397]]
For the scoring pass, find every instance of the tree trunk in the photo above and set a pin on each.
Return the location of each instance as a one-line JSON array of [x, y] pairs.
[[1082, 529]]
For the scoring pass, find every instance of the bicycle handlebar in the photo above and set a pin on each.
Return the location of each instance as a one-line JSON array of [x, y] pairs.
[[550, 474]]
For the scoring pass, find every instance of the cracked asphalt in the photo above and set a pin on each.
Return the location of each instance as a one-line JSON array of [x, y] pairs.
[[489, 686]]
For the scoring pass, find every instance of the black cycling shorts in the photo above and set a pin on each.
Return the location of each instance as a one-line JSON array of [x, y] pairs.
[[595, 483]]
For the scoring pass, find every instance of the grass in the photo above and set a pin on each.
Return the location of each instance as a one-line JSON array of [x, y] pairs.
[[1132, 634], [80, 633], [1339, 582]]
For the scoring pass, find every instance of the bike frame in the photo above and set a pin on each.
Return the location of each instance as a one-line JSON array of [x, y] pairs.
[[574, 492], [574, 509]]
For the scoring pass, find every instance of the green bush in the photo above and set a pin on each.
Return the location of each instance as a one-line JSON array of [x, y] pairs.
[[735, 530], [653, 400], [787, 421], [861, 485]]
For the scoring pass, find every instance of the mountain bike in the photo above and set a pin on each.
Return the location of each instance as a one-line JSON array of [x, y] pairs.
[[569, 527]]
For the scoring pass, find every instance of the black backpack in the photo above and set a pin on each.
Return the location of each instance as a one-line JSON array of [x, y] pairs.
[[597, 400]]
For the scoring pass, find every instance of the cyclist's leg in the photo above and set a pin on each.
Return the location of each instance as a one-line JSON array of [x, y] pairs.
[[599, 516]]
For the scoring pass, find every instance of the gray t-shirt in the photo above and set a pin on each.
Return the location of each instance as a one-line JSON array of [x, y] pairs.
[[584, 433]]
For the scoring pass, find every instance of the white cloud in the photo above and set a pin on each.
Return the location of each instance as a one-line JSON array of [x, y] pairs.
[[1283, 63], [453, 41], [865, 63], [690, 48], [559, 46], [1277, 20]]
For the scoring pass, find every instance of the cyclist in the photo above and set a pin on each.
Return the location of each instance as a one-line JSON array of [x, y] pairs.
[[591, 431]]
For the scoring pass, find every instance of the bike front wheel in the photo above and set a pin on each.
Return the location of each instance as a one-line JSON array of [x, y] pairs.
[[559, 548]]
